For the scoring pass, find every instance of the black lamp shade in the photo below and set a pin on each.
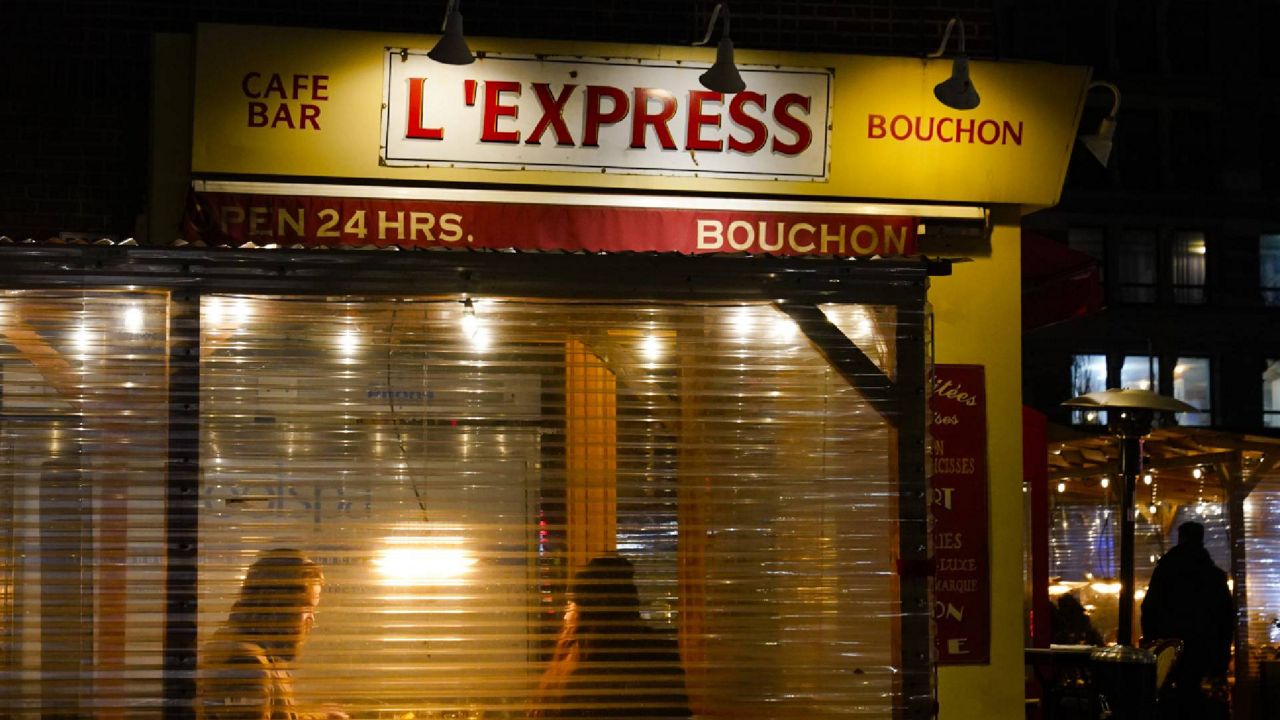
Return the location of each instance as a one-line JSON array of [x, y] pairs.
[[451, 48], [723, 76], [957, 91]]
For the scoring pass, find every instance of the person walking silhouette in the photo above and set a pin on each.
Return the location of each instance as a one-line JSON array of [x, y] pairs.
[[1188, 599]]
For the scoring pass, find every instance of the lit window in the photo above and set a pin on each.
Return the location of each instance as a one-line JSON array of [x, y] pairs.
[[1187, 271], [1191, 385], [1271, 394], [1088, 374], [1137, 267], [1269, 268], [1139, 372]]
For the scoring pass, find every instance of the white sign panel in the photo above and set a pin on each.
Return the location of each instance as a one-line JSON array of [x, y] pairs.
[[597, 115]]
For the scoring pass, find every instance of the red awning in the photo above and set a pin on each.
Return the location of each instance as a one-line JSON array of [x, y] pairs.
[[1058, 283]]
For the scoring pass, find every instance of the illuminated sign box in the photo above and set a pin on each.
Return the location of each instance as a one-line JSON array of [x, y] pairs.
[[595, 115], [351, 106]]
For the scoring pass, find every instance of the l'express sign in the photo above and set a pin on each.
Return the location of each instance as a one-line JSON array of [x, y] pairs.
[[603, 115]]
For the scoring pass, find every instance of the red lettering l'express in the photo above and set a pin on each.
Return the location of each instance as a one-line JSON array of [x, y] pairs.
[[738, 115], [415, 128], [595, 116], [552, 114], [804, 136], [495, 110], [698, 119], [643, 116]]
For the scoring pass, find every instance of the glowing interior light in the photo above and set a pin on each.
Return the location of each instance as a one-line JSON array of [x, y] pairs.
[[651, 347], [862, 327], [1197, 473], [784, 329], [214, 312], [743, 321], [1105, 482], [1104, 587], [81, 338], [1152, 508], [242, 311], [1062, 587], [1062, 487], [133, 320], [1140, 593], [481, 339], [348, 342], [1147, 479], [415, 562], [470, 323]]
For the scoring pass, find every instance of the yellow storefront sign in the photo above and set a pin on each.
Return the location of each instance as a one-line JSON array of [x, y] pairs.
[[364, 106]]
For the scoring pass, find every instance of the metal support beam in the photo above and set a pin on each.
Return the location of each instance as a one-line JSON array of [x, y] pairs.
[[182, 507], [846, 357]]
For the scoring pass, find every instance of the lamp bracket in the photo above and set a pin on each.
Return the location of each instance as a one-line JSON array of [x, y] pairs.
[[1115, 91], [448, 10], [946, 35], [712, 25]]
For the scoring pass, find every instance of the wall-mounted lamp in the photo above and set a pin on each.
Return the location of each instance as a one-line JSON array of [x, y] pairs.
[[451, 48], [957, 91], [1099, 144], [722, 77]]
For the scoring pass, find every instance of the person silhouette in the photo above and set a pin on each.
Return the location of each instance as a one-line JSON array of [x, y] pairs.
[[1188, 599], [607, 663], [1071, 624], [246, 672]]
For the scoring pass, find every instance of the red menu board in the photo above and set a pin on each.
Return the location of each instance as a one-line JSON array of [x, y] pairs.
[[959, 517]]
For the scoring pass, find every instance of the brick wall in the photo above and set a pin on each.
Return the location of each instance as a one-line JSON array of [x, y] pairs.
[[75, 84]]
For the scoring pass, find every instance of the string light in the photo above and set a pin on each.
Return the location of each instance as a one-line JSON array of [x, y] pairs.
[[1062, 487], [473, 328], [1147, 479], [470, 323], [1105, 482]]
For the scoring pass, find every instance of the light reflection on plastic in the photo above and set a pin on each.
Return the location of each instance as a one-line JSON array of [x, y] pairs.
[[82, 338], [133, 320], [651, 347], [743, 321], [348, 342], [784, 329], [412, 561]]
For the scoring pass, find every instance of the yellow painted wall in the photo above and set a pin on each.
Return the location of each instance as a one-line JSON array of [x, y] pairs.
[[977, 320]]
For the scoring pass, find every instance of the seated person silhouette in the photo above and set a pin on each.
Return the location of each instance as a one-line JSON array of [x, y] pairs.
[[246, 673], [607, 663], [1070, 623]]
